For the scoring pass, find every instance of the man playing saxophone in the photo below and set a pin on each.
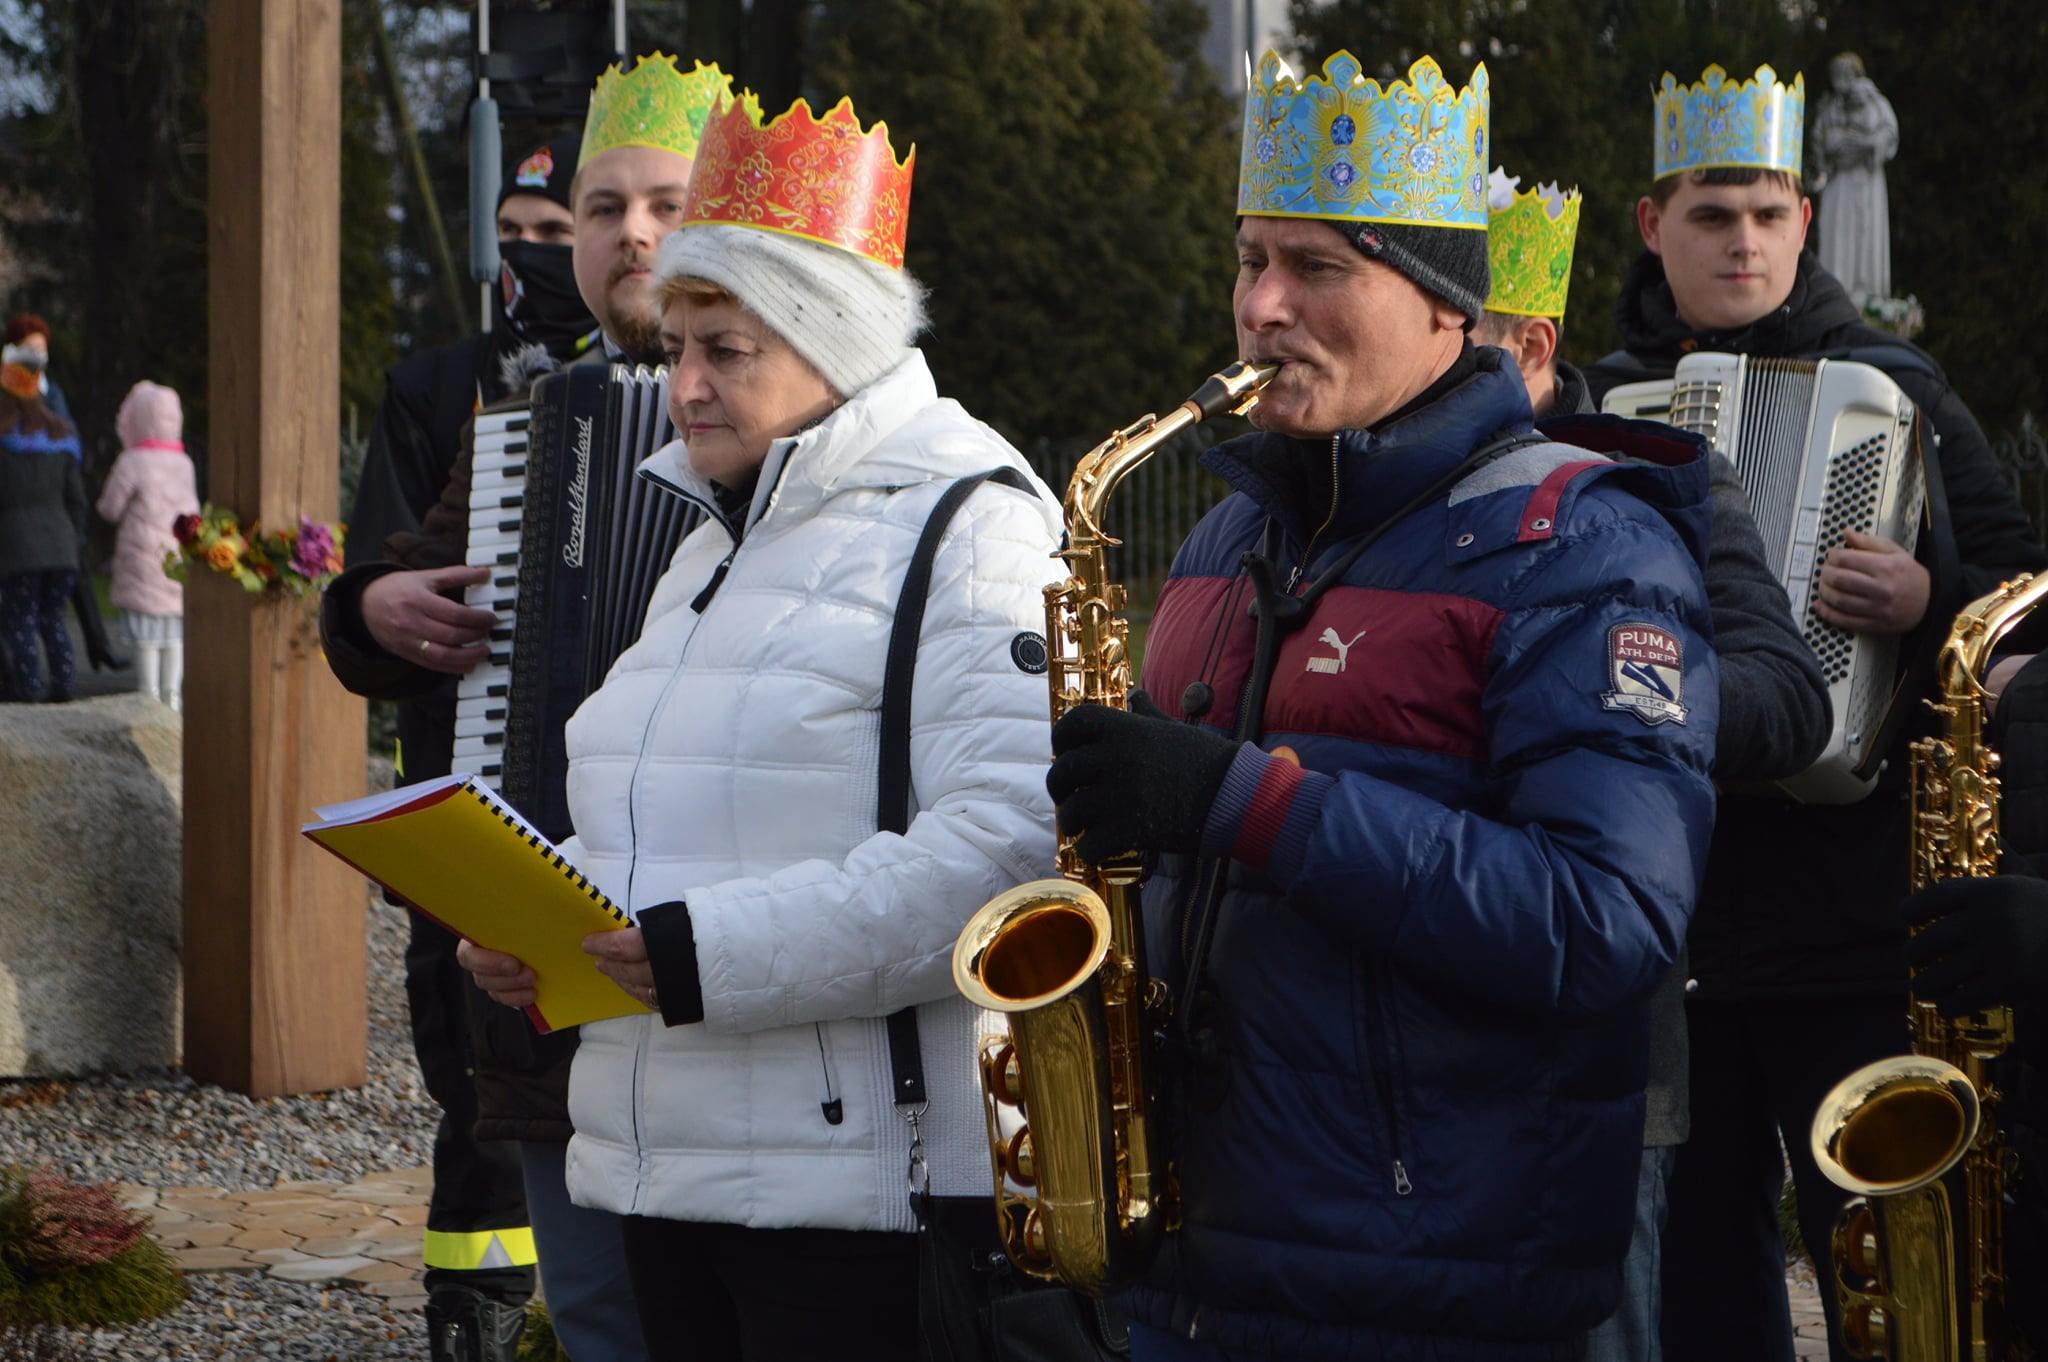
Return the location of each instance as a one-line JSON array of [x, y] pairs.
[[1431, 811], [1982, 942]]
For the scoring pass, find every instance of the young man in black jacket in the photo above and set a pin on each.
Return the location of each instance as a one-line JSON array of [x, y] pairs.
[[478, 1249], [1774, 702], [1795, 947]]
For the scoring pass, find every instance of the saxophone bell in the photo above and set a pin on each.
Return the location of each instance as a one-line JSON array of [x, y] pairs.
[[1919, 1250]]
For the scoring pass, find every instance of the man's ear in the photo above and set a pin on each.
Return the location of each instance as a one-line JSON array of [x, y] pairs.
[[1539, 345], [1650, 219], [1805, 216]]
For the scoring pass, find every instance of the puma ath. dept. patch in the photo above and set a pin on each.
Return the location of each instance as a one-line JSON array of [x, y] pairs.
[[1646, 667]]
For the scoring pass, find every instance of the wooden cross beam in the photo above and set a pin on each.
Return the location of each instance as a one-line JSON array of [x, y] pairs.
[[274, 930]]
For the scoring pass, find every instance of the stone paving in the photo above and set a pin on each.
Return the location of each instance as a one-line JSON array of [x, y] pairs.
[[363, 1235]]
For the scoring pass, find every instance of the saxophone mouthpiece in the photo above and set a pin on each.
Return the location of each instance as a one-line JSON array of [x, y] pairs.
[[1228, 390]]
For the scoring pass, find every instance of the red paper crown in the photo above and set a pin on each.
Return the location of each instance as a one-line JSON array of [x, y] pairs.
[[819, 178]]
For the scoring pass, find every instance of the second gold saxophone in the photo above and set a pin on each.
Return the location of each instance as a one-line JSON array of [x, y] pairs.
[[1919, 1252], [1082, 1186]]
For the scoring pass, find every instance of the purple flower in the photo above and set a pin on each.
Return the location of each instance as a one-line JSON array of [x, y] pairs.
[[313, 555]]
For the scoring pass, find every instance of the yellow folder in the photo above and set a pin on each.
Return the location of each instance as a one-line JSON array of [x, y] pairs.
[[459, 854]]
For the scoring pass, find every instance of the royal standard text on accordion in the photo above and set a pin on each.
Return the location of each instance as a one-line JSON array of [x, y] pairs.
[[575, 543], [1822, 447]]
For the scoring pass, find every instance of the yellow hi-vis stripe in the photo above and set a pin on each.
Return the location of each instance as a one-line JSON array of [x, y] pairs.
[[479, 1249]]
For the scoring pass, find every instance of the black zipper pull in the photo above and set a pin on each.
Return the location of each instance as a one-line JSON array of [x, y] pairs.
[[717, 579]]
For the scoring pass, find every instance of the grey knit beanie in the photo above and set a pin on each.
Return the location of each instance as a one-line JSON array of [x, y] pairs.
[[851, 318], [1449, 262]]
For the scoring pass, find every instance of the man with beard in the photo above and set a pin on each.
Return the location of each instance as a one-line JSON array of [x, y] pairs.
[[1774, 701], [397, 629], [1795, 948]]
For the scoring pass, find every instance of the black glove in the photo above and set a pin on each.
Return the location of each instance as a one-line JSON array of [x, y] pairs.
[[1984, 943], [1134, 781]]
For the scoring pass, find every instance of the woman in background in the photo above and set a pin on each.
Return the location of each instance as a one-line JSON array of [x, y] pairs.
[[42, 514]]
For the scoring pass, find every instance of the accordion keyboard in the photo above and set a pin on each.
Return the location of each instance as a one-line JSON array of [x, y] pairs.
[[498, 480]]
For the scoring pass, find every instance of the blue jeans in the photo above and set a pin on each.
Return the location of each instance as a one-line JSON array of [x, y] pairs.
[[582, 1264], [1631, 1334]]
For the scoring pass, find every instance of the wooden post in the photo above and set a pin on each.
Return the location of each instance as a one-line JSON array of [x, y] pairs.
[[274, 930]]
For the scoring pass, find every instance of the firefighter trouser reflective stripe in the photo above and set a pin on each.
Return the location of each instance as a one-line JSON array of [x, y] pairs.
[[479, 1249]]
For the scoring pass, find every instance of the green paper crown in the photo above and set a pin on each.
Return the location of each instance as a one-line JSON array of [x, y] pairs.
[[1529, 237], [653, 105]]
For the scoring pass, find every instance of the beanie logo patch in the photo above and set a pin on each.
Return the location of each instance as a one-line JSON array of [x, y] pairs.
[[1028, 651], [536, 170]]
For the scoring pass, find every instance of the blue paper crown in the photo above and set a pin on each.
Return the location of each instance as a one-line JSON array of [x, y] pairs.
[[1714, 124], [1343, 148]]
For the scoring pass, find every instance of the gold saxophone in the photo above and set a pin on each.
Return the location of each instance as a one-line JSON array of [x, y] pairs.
[[1065, 958], [1919, 1252]]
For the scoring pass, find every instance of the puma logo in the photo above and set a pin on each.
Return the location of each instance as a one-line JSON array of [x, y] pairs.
[[1334, 664]]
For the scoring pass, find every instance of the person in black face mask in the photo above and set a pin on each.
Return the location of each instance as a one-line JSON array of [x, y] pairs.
[[479, 1243], [537, 302]]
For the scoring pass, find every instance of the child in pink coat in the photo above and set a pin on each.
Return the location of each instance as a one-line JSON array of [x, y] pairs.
[[149, 486]]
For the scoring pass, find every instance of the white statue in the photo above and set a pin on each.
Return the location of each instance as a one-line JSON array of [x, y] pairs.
[[1854, 133]]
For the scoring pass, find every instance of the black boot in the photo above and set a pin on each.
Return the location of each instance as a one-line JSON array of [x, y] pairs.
[[465, 1325]]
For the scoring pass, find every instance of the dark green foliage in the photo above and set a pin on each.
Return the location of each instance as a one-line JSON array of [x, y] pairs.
[[538, 1343], [70, 1255], [1788, 1224], [1571, 102], [367, 230], [1969, 212], [1072, 208], [105, 200]]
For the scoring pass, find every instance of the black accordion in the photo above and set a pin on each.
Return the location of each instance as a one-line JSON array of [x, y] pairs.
[[576, 543]]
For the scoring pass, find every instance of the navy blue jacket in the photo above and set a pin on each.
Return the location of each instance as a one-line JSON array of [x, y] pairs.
[[1430, 970]]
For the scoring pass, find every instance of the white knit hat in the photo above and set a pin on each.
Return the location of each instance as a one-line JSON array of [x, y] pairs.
[[850, 317]]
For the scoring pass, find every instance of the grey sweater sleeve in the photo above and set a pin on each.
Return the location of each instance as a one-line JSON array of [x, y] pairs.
[[1774, 702]]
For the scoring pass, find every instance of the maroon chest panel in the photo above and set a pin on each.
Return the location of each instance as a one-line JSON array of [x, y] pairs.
[[1397, 667], [1192, 639], [1401, 668]]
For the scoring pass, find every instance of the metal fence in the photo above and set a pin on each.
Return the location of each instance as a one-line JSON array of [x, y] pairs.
[[1154, 509], [2023, 457]]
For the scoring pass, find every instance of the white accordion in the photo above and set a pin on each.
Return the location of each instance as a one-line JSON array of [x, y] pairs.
[[1822, 447]]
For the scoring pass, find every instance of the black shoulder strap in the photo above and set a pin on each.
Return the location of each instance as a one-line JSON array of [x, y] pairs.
[[892, 805]]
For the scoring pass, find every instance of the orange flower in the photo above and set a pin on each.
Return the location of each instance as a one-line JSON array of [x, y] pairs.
[[221, 554]]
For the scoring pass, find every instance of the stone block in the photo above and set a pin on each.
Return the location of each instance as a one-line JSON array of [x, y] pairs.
[[320, 1271], [214, 1260], [90, 934]]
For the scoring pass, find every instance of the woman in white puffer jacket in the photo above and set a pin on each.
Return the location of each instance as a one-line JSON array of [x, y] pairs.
[[723, 784]]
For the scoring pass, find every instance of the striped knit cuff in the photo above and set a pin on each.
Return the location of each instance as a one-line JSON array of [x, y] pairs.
[[1264, 812]]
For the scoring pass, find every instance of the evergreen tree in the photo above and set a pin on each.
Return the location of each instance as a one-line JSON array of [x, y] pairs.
[[1571, 89], [1072, 208], [1969, 212]]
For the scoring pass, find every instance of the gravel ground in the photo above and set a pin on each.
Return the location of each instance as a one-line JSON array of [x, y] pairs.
[[238, 1317], [160, 1128]]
